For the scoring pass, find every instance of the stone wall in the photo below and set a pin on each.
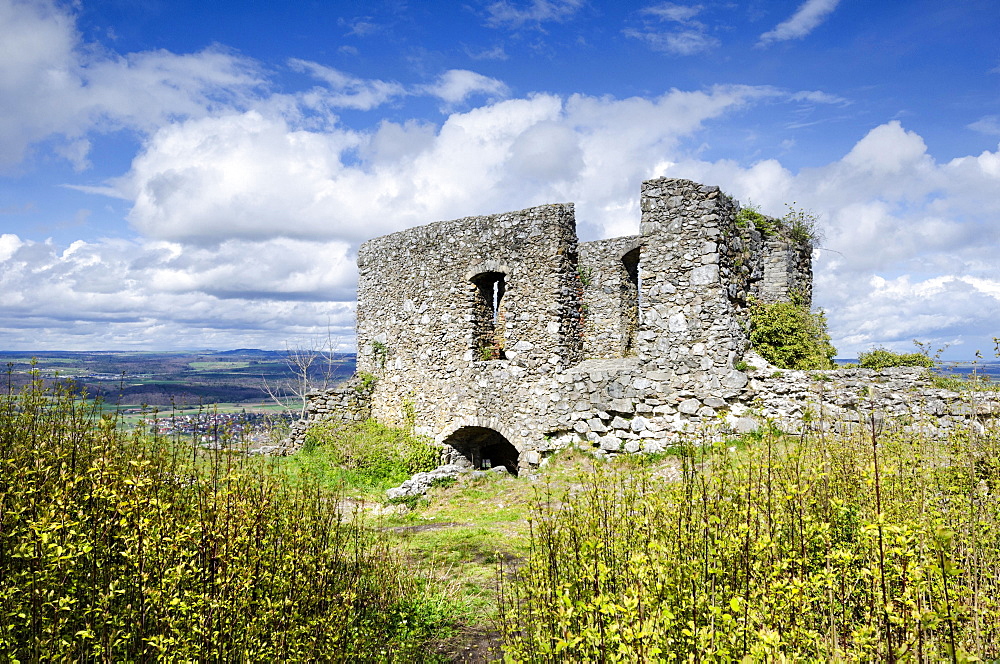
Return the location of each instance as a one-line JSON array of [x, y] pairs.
[[351, 402], [837, 399], [615, 406], [620, 408]]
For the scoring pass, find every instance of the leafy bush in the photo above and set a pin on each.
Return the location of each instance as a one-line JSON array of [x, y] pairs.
[[790, 336], [862, 547], [363, 455], [801, 225], [797, 224], [365, 382], [751, 216], [882, 358], [119, 547]]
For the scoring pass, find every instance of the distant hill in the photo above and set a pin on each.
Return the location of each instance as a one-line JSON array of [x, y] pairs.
[[948, 368]]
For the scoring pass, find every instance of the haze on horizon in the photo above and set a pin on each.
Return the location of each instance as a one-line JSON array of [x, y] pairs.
[[200, 175]]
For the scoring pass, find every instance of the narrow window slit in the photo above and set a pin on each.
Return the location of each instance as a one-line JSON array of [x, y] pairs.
[[488, 334]]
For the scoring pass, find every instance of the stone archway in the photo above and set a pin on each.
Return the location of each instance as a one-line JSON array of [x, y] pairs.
[[484, 448]]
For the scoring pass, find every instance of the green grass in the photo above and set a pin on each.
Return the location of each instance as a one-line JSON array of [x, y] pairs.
[[460, 535], [488, 528], [360, 458]]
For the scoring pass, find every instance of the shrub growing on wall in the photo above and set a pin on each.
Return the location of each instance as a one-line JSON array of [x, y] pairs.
[[751, 216], [798, 224], [790, 336]]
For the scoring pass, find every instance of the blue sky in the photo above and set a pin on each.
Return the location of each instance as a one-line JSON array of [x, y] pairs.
[[200, 175]]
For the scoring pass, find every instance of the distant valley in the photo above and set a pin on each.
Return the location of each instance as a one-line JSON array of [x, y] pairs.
[[162, 379]]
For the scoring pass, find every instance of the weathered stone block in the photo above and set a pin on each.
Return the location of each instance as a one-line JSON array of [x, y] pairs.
[[610, 443], [689, 406], [597, 425], [620, 423], [734, 380]]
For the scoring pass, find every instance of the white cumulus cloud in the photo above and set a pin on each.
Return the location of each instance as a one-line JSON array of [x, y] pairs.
[[140, 294], [53, 84], [252, 175], [346, 91]]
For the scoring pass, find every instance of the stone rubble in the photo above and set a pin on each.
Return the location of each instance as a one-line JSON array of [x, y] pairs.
[[420, 483]]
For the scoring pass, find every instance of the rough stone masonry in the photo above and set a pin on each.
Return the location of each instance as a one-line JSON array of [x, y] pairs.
[[504, 338]]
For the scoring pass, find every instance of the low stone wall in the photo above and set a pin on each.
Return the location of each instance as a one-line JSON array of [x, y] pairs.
[[835, 399], [349, 402], [615, 406]]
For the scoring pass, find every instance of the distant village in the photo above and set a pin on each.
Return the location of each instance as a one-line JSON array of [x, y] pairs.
[[220, 427]]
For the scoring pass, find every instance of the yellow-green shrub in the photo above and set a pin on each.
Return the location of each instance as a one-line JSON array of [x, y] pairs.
[[790, 336], [825, 548], [117, 547], [882, 358]]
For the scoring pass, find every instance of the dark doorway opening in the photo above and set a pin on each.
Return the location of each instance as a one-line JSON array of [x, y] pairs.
[[630, 301], [484, 448]]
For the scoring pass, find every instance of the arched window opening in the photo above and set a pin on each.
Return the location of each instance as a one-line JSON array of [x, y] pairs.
[[484, 448], [630, 288], [488, 316]]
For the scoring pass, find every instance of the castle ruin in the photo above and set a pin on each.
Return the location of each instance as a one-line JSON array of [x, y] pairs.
[[505, 338]]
